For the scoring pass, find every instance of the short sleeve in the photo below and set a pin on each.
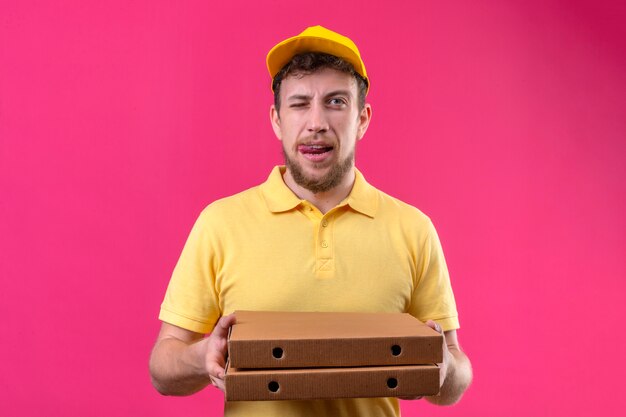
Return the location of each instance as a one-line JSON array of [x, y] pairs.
[[432, 297], [191, 300]]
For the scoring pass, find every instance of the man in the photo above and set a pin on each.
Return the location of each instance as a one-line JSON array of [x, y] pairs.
[[314, 237]]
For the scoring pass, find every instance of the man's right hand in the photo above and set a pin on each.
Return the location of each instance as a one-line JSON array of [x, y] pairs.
[[217, 350], [184, 362]]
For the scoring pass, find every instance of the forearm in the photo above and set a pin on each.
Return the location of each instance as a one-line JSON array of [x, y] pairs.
[[178, 368], [458, 379]]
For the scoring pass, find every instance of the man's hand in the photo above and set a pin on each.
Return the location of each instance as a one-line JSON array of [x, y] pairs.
[[447, 356], [217, 349], [443, 367], [456, 369], [184, 362], [455, 372]]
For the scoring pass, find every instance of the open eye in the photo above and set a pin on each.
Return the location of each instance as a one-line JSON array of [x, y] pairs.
[[336, 101]]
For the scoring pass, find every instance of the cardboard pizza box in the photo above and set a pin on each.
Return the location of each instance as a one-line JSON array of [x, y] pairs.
[[331, 383], [316, 339]]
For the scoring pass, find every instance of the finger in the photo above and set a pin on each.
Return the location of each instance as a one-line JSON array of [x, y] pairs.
[[222, 326], [419, 397], [216, 370], [434, 325], [218, 383], [219, 335]]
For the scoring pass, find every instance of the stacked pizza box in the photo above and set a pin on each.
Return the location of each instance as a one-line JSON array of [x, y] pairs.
[[297, 356]]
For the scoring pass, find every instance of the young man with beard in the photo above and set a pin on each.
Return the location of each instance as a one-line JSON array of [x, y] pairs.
[[314, 237]]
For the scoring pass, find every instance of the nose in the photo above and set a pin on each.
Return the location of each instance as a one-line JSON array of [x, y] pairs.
[[317, 121]]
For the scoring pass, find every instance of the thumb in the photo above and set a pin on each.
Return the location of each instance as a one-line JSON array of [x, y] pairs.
[[223, 325], [434, 325]]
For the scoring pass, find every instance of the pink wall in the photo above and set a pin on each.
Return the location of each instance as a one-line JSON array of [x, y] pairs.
[[120, 121]]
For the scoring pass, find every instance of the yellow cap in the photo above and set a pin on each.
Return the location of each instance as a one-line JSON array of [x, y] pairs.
[[316, 39]]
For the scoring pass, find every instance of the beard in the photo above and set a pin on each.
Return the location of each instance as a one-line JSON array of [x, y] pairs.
[[319, 185]]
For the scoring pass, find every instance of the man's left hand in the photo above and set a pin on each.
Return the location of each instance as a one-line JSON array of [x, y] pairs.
[[455, 372], [447, 356]]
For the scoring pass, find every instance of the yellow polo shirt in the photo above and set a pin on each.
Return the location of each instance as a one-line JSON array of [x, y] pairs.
[[266, 249]]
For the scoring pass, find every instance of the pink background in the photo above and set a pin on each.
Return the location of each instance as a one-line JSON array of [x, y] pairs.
[[504, 121]]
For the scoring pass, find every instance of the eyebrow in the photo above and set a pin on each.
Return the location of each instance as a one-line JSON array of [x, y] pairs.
[[297, 97], [339, 93]]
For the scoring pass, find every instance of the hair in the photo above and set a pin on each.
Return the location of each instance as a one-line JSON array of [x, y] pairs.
[[311, 62]]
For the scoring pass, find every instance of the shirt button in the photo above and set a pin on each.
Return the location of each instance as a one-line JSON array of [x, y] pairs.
[[324, 223], [324, 244]]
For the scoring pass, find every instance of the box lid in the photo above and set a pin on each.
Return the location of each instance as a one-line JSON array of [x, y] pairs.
[[317, 339]]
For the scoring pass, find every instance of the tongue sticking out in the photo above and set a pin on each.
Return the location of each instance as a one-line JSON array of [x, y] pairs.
[[314, 149]]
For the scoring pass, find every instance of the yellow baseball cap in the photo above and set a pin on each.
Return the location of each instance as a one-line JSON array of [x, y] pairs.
[[316, 39]]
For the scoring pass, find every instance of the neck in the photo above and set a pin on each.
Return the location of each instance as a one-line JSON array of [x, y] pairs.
[[325, 200]]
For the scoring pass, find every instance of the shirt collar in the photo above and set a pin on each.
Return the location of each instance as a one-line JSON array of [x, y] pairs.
[[277, 195], [279, 198], [363, 197]]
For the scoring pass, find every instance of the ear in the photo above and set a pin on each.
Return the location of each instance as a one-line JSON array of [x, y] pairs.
[[364, 120], [275, 119]]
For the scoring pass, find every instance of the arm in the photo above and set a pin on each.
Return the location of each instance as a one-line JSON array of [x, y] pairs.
[[456, 370], [184, 362]]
